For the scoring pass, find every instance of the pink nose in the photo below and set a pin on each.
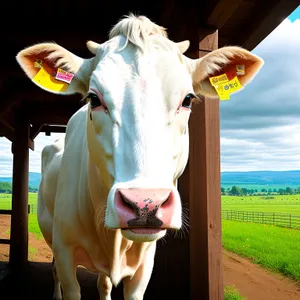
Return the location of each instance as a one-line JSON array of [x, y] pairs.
[[144, 208]]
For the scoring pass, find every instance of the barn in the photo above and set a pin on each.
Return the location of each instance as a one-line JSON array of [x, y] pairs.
[[188, 268]]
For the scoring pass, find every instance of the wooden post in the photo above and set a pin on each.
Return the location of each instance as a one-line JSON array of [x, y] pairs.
[[203, 177], [19, 218]]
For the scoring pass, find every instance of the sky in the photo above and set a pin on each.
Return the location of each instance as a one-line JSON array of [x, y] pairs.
[[260, 126]]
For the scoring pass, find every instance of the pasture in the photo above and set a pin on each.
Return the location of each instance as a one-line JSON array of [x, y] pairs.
[[270, 203], [5, 200]]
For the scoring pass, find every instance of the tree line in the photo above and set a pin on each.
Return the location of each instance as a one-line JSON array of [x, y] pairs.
[[237, 191], [6, 187]]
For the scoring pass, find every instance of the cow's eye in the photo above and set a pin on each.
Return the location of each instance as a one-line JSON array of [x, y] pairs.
[[187, 102], [94, 100]]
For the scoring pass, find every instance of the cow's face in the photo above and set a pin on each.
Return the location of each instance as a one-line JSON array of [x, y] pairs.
[[139, 107], [140, 92]]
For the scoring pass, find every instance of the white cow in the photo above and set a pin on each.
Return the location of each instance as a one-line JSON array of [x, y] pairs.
[[108, 191]]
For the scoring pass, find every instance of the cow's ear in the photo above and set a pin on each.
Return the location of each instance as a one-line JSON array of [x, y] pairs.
[[233, 65], [55, 69]]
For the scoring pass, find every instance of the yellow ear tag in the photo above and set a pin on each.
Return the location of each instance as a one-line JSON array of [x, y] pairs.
[[38, 64], [240, 69], [51, 80], [225, 87]]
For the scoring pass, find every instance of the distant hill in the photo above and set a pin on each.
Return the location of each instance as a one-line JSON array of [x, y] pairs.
[[254, 179], [34, 179], [257, 179]]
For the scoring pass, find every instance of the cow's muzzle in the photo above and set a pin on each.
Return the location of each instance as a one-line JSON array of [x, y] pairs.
[[139, 209]]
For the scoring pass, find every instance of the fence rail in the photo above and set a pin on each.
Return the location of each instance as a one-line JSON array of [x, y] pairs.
[[269, 218]]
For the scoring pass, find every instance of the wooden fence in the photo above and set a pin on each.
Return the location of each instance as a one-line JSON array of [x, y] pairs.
[[269, 218]]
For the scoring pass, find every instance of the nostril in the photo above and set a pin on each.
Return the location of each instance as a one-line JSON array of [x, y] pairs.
[[127, 204], [168, 202]]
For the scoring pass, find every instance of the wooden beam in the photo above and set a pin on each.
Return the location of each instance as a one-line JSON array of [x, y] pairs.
[[5, 211], [222, 12], [53, 128], [5, 104], [272, 13], [205, 195], [202, 177], [19, 219], [35, 129], [4, 241], [10, 135], [6, 132]]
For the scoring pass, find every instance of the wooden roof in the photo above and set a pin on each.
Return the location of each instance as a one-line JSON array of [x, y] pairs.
[[72, 23]]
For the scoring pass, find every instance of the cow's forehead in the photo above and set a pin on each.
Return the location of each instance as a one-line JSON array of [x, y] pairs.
[[159, 67]]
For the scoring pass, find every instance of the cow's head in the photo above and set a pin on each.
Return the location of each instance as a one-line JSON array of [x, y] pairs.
[[139, 87]]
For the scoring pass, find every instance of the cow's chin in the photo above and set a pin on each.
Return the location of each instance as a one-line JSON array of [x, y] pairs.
[[143, 234]]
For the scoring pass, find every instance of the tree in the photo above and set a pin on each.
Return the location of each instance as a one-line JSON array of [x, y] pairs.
[[289, 191], [236, 191], [5, 187], [244, 191], [222, 191]]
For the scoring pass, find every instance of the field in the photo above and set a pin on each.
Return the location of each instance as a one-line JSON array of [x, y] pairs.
[[272, 247], [5, 200], [274, 203]]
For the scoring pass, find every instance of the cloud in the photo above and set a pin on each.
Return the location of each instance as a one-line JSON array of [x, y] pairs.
[[260, 126], [6, 157]]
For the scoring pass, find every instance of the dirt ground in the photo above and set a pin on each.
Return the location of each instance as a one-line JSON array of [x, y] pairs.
[[252, 281]]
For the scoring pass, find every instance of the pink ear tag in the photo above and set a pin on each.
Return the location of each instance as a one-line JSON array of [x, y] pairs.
[[64, 76]]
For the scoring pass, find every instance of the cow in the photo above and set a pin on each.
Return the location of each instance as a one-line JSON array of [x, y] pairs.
[[108, 191]]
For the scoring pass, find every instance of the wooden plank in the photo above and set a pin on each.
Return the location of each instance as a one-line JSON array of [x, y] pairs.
[[48, 129], [10, 135], [6, 103], [205, 197], [4, 241], [35, 129], [266, 20], [222, 12], [202, 177], [19, 218], [53, 128], [6, 132], [5, 211]]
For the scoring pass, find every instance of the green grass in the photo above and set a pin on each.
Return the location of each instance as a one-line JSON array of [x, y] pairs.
[[230, 293], [279, 204], [5, 200], [272, 247], [33, 226]]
